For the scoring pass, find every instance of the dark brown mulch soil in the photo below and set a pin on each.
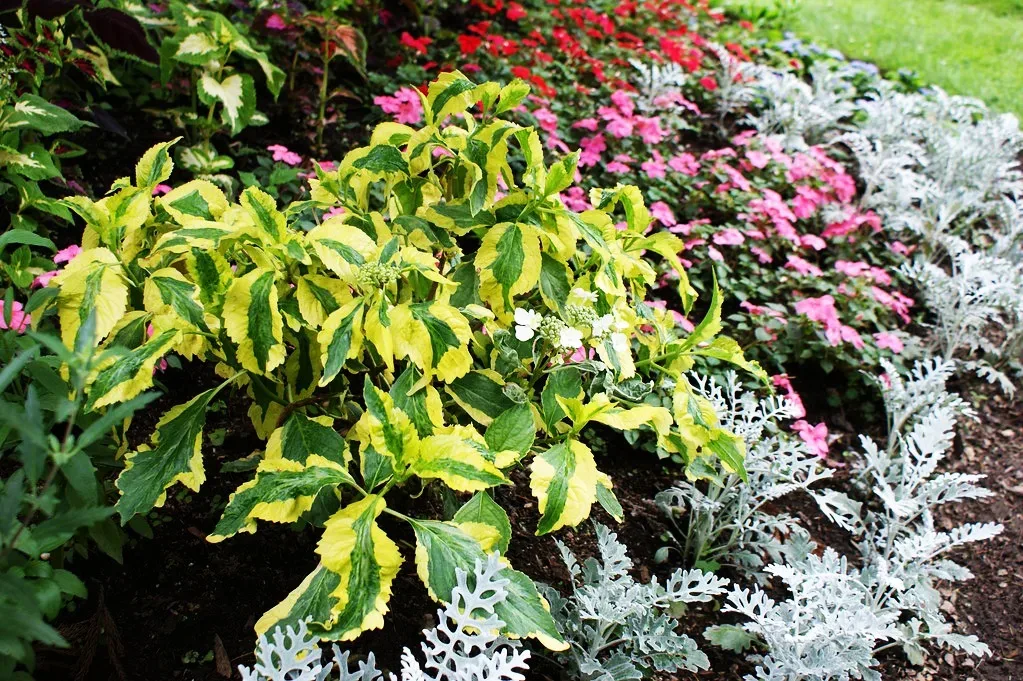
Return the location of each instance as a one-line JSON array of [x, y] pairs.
[[989, 606], [182, 608]]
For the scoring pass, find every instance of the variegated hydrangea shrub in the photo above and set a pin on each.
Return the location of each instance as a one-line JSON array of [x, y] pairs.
[[448, 320]]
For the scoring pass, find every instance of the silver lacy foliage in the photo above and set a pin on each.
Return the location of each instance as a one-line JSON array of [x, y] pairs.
[[725, 521], [466, 644], [837, 618], [619, 628]]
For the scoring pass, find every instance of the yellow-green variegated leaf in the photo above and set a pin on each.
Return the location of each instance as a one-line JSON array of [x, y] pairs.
[[91, 283], [271, 225], [451, 93], [236, 94], [195, 202], [155, 166], [253, 321], [128, 375], [340, 338], [168, 292], [319, 296], [459, 458], [423, 405], [509, 264], [212, 275], [727, 350], [387, 436], [310, 601], [174, 456], [281, 492], [366, 561], [564, 481], [434, 336], [442, 548], [301, 437], [600, 408], [343, 248]]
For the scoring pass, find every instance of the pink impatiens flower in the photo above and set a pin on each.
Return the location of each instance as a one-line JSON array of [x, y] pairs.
[[685, 163], [783, 382], [802, 266], [66, 255], [816, 437], [655, 168], [661, 212], [405, 105], [729, 237], [282, 154], [19, 318], [43, 280], [590, 150], [275, 23], [888, 341], [161, 189]]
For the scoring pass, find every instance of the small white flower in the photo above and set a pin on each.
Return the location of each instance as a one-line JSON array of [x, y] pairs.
[[570, 339], [526, 323], [581, 296], [602, 325], [620, 342]]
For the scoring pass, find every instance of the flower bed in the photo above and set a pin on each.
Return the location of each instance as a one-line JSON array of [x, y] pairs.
[[460, 308]]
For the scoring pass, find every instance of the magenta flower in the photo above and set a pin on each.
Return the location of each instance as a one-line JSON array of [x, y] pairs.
[[783, 382], [405, 105], [590, 150], [758, 159], [623, 100], [802, 266], [816, 437], [649, 129], [686, 164], [661, 212], [161, 189], [67, 254], [888, 341], [586, 124], [282, 154], [275, 23], [19, 318], [729, 237], [546, 119], [43, 280], [655, 168], [763, 256]]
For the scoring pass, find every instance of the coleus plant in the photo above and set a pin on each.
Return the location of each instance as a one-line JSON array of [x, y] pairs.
[[202, 44], [450, 320]]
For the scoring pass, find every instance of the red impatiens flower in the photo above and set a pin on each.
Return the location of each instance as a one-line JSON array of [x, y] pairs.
[[469, 44], [709, 83], [417, 44], [516, 12]]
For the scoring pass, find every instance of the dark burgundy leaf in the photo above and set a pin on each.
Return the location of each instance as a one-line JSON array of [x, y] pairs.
[[121, 32], [51, 9]]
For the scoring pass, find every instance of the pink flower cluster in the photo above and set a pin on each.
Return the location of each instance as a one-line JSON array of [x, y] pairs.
[[822, 310], [405, 104]]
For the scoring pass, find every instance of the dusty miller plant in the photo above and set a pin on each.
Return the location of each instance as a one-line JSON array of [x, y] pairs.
[[464, 646], [618, 628], [725, 522], [972, 294], [837, 617]]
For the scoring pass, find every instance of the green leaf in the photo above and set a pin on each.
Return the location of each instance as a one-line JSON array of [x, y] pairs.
[[481, 395], [341, 338], [566, 383], [237, 95], [609, 502], [554, 282], [730, 637], [130, 374], [383, 159], [731, 449], [35, 113], [512, 430], [512, 95], [22, 236]]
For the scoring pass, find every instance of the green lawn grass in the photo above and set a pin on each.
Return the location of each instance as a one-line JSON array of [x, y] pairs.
[[970, 47]]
